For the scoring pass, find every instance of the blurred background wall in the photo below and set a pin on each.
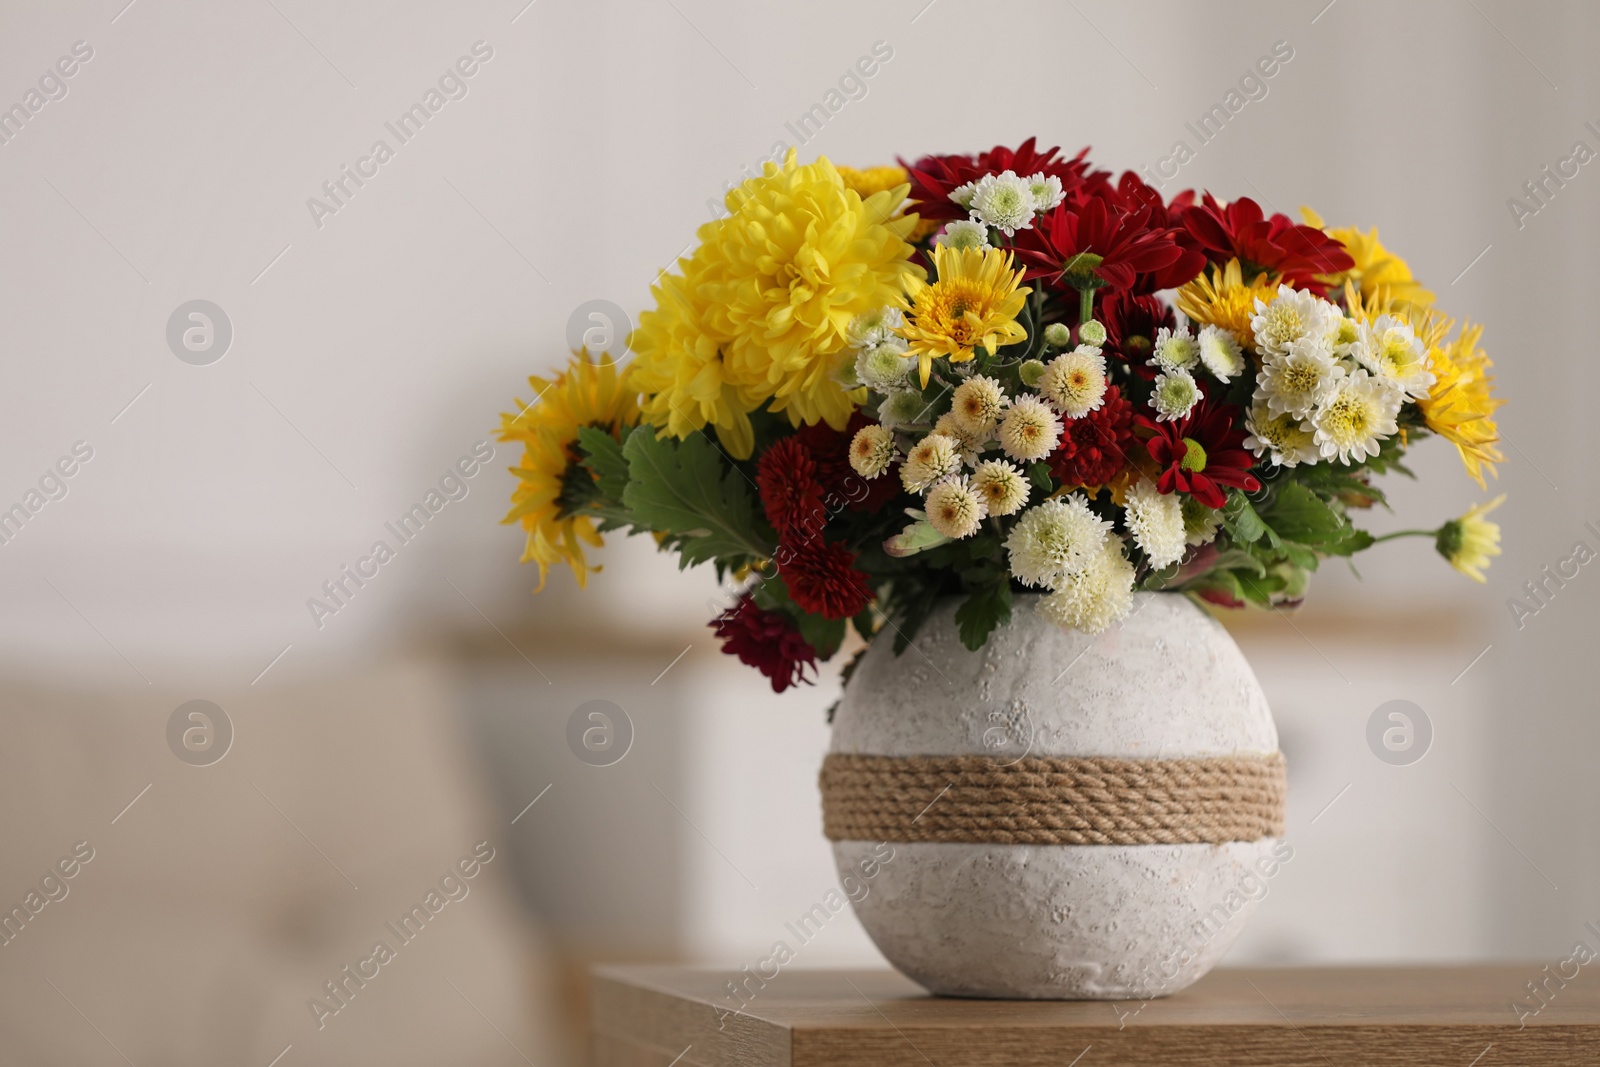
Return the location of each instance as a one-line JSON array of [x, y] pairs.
[[372, 346]]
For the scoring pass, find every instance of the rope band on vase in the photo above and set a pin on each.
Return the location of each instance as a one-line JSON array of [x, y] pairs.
[[1089, 800]]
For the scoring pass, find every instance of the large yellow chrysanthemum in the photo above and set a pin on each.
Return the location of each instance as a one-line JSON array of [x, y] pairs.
[[549, 498], [1460, 405], [1375, 268], [798, 257], [974, 303], [1223, 298], [872, 179]]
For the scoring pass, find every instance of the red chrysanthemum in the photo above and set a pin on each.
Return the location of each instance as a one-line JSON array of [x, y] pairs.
[[822, 578], [1131, 324], [1165, 215], [933, 178], [791, 495], [1200, 453], [841, 485], [1094, 449], [1096, 243], [767, 641], [1277, 245]]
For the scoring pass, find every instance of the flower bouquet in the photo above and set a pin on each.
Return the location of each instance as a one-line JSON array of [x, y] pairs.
[[977, 375]]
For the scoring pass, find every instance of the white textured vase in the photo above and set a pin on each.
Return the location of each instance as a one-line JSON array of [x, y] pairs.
[[1059, 921]]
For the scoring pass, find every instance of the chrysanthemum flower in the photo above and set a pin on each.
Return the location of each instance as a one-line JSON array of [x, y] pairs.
[[1223, 297], [1175, 349], [1094, 449], [553, 488], [1291, 316], [977, 404], [1389, 348], [1460, 406], [1200, 523], [974, 303], [1001, 485], [1240, 230], [1155, 519], [873, 327], [955, 509], [1054, 539], [822, 578], [1220, 353], [968, 444], [884, 367], [1075, 382], [962, 235], [791, 497], [869, 180], [1200, 455], [1287, 439], [767, 641], [1030, 429], [903, 407], [1003, 201], [1095, 596], [929, 460], [1358, 413], [1300, 379], [1376, 268], [1046, 191], [1174, 395], [1469, 542], [872, 451]]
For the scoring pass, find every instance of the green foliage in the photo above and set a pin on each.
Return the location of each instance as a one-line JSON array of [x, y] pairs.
[[987, 608], [686, 490]]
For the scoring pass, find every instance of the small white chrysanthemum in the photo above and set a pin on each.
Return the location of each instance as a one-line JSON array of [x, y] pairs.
[[1003, 201], [1174, 395], [1390, 349], [1358, 413], [1096, 596], [1174, 349], [1344, 338], [1155, 519], [873, 327], [872, 451], [1030, 430], [1200, 523], [1046, 191], [1054, 539], [930, 459], [1002, 486], [963, 235], [955, 509], [1075, 382], [962, 194], [968, 444], [903, 407], [883, 366], [1220, 353], [1293, 315], [977, 404], [1296, 381], [1286, 437]]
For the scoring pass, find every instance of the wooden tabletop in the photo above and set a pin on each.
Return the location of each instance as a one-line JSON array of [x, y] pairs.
[[1290, 1017]]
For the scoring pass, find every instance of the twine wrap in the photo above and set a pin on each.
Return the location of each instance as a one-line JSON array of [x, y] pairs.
[[1089, 800]]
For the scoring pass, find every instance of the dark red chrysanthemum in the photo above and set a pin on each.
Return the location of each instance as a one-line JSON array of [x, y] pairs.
[[1277, 244], [1200, 453], [1131, 324], [822, 578], [1097, 243], [1094, 449], [767, 641], [934, 177], [791, 496], [841, 486]]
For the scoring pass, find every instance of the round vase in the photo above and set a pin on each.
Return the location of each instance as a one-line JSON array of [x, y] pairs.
[[1057, 921]]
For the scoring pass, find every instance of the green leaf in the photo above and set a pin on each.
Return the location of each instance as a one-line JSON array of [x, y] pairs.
[[686, 489], [918, 537], [602, 454], [864, 623], [824, 635], [1239, 518], [1298, 514], [984, 610], [1039, 475]]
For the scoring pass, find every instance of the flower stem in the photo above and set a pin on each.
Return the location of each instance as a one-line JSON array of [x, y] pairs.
[[1085, 305], [1406, 533]]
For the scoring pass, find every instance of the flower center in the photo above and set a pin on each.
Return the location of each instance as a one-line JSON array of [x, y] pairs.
[[1194, 457]]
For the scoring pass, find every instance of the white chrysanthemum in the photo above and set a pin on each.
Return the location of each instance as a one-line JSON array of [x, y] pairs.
[[1200, 523], [1003, 201], [1357, 414], [1297, 380], [1390, 349], [1174, 349], [1075, 382], [1344, 338], [883, 366], [1046, 190], [962, 194], [955, 509], [873, 327], [1174, 395], [1286, 437], [1096, 596], [1002, 486], [903, 407], [963, 235], [968, 444], [1155, 519], [978, 403], [872, 451], [1054, 539], [1220, 353], [1030, 430], [930, 459], [1293, 315]]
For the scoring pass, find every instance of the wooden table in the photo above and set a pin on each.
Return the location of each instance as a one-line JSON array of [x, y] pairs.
[[1302, 1017]]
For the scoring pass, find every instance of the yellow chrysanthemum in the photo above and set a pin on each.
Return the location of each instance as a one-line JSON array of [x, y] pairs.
[[800, 255], [974, 303], [550, 496], [872, 179], [1223, 298], [1470, 541], [1375, 268], [679, 369], [1460, 405]]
